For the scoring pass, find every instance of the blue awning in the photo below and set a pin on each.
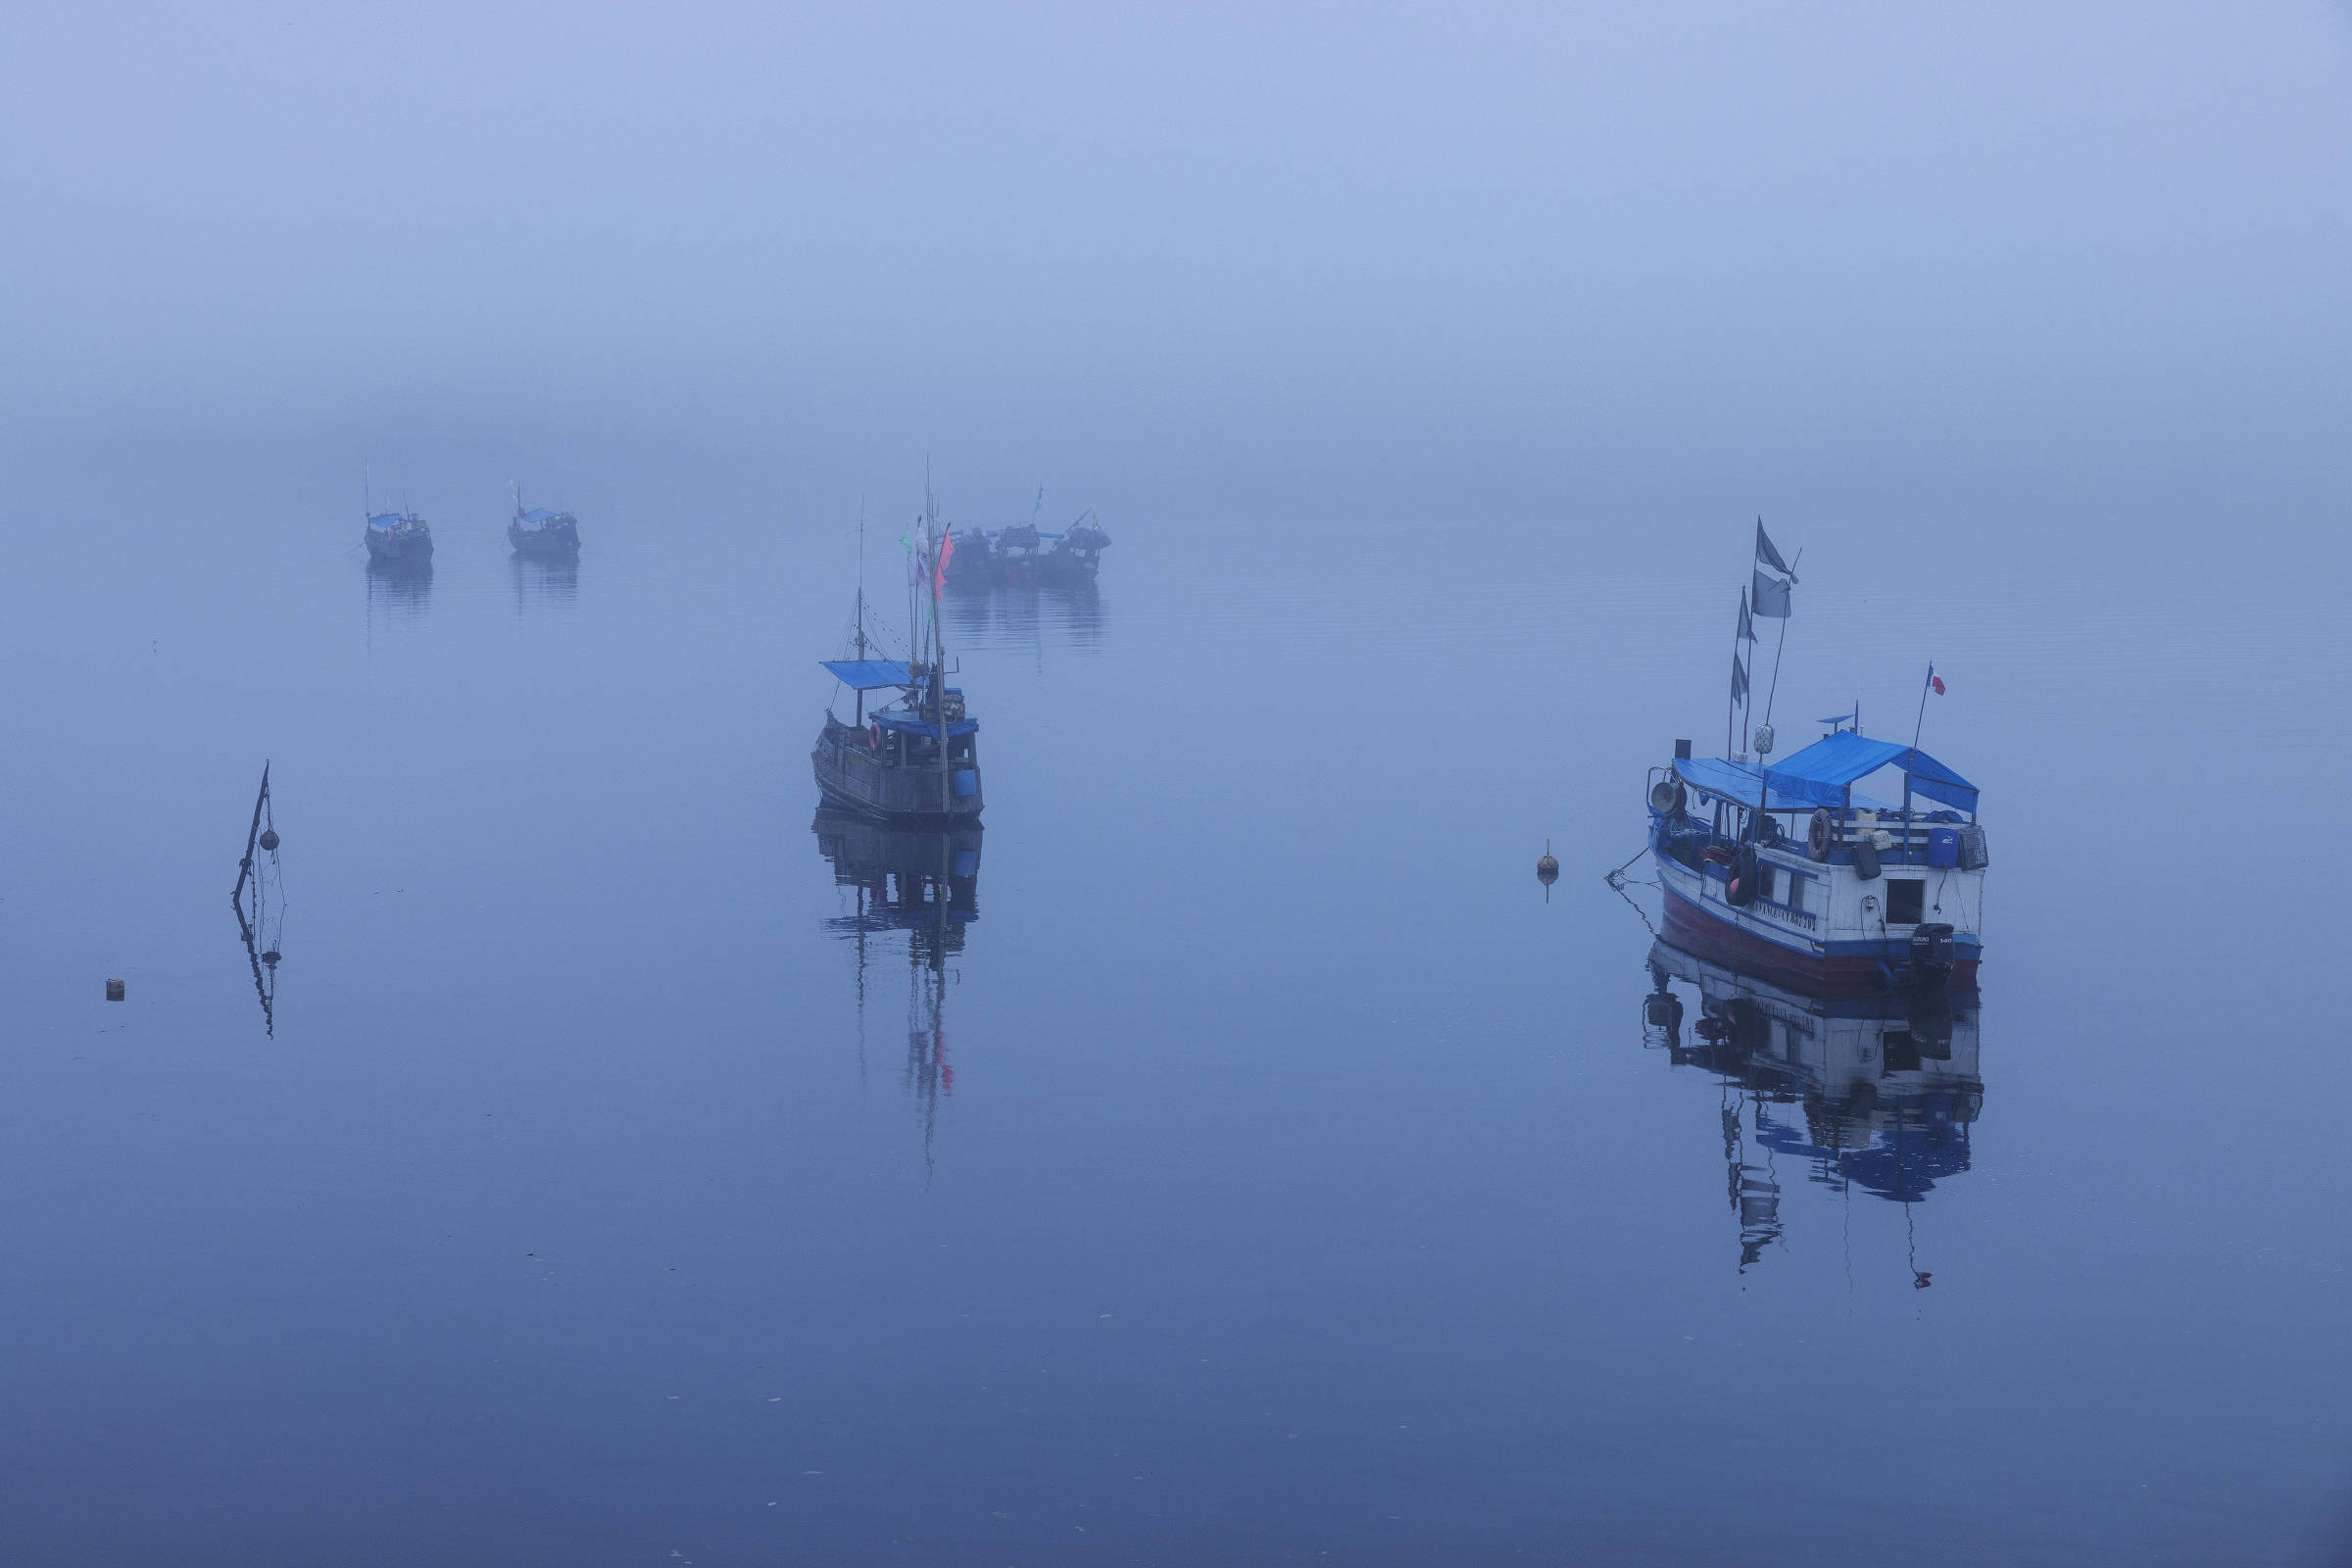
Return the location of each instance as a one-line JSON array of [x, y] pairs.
[[1823, 771], [921, 726], [1737, 783], [868, 674]]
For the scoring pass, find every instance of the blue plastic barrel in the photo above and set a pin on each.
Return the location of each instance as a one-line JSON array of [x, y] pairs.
[[1944, 845], [967, 782]]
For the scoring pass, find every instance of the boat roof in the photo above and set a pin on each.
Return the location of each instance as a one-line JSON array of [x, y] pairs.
[[1824, 773], [868, 674], [542, 514], [390, 520], [1737, 782]]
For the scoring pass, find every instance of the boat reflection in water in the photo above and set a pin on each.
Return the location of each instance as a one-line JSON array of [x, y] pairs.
[[922, 882], [400, 587], [1875, 1095], [987, 613], [544, 579]]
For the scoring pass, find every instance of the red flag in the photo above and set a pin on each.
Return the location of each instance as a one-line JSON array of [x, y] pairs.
[[946, 549], [1936, 683]]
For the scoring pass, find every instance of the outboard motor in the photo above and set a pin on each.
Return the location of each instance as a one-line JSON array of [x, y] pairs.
[[1932, 953]]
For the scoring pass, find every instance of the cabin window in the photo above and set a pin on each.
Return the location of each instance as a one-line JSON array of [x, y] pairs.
[[1906, 899], [1797, 892]]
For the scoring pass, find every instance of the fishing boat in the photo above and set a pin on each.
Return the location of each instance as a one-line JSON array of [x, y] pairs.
[[399, 539], [1886, 1088], [1789, 869], [916, 756], [1076, 554], [542, 530]]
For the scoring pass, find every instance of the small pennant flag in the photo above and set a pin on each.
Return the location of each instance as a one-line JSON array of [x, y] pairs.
[[1747, 628], [1768, 557], [1935, 681], [1739, 679]]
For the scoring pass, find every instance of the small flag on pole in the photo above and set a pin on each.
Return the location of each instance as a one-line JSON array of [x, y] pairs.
[[1747, 628], [1769, 597], [1935, 681], [1739, 679], [1769, 557]]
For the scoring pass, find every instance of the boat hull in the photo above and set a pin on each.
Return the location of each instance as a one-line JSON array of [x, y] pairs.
[[408, 548], [1825, 967], [851, 777], [558, 541]]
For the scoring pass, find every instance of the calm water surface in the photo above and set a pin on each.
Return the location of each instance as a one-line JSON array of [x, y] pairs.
[[1257, 1166]]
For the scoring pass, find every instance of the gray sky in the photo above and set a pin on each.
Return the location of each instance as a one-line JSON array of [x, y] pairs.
[[1408, 238]]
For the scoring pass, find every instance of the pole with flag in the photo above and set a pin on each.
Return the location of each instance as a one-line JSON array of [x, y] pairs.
[[1746, 632], [1768, 597], [1933, 683]]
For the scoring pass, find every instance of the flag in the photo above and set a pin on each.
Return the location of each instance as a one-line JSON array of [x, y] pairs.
[[1770, 595], [1766, 555], [1739, 679], [946, 549], [1935, 681], [1747, 628]]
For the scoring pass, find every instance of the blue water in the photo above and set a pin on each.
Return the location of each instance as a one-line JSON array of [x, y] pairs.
[[1268, 1170]]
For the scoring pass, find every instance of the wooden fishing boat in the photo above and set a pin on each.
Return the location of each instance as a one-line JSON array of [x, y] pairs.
[[543, 531], [916, 758], [399, 539]]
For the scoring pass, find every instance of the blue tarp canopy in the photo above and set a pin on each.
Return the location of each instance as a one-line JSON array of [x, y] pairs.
[[387, 520], [1737, 782], [1822, 774], [868, 674], [921, 726]]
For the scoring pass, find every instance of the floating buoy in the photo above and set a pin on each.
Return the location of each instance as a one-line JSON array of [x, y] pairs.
[[269, 840], [113, 991], [1548, 869]]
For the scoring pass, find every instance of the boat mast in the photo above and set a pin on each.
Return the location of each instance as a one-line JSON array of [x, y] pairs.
[[860, 615], [939, 648]]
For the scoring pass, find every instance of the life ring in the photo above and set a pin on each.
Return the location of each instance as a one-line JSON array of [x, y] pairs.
[[873, 736], [1819, 832]]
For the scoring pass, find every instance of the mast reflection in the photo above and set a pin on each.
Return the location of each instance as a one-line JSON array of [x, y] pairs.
[[1875, 1095], [259, 899], [923, 882]]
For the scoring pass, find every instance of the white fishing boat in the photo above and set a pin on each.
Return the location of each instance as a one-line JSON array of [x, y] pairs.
[[1790, 869]]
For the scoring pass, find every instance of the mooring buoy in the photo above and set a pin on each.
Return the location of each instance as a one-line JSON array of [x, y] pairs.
[[268, 838], [113, 991], [1548, 869]]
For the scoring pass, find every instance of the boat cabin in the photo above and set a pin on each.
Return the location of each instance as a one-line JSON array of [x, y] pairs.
[[916, 756]]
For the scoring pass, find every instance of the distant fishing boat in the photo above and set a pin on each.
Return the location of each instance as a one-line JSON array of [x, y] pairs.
[[917, 757], [542, 531], [399, 538], [1075, 554], [1025, 553], [1787, 871]]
